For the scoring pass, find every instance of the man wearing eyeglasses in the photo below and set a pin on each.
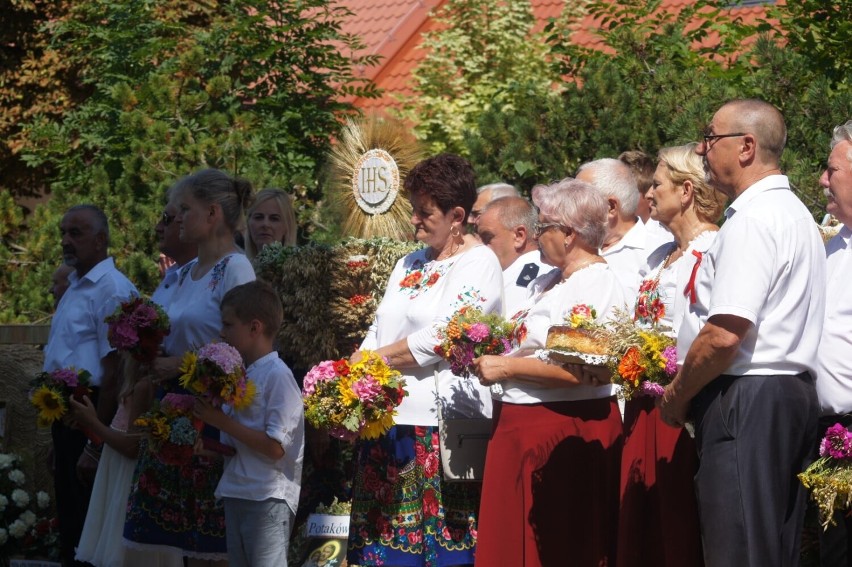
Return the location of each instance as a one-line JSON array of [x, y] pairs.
[[170, 245], [78, 339], [747, 347]]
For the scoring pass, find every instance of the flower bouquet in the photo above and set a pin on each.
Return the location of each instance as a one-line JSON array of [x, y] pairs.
[[470, 333], [172, 430], [25, 526], [353, 400], [829, 478], [138, 326], [50, 392], [646, 359], [215, 372]]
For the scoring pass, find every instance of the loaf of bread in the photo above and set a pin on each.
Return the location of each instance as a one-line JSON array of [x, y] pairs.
[[569, 339]]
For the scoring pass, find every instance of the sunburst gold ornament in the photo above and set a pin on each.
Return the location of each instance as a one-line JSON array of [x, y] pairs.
[[369, 164]]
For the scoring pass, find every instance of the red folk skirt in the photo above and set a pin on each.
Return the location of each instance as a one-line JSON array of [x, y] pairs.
[[658, 522], [550, 494]]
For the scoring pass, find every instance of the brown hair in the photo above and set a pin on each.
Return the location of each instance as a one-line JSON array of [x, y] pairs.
[[448, 179], [256, 300]]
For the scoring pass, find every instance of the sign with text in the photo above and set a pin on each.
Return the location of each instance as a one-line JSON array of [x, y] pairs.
[[327, 526], [375, 181]]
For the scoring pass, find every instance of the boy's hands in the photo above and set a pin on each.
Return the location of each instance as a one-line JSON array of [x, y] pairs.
[[207, 413]]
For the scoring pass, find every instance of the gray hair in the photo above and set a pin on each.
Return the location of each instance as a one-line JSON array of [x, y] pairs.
[[514, 211], [613, 178], [843, 133], [499, 190], [575, 204], [100, 224], [213, 186]]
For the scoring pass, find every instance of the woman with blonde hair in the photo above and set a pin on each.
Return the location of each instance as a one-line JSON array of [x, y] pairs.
[[659, 462], [173, 506], [270, 218]]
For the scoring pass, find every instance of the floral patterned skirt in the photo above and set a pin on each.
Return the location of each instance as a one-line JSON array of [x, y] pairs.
[[174, 506], [402, 511]]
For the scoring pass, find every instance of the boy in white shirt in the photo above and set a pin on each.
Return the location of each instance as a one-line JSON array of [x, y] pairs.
[[260, 483]]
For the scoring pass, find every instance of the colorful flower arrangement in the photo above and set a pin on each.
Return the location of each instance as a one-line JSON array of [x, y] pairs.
[[582, 316], [215, 372], [646, 359], [25, 525], [171, 428], [353, 400], [470, 333], [138, 326], [50, 392], [829, 478]]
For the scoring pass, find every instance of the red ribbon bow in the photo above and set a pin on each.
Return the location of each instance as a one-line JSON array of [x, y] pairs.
[[689, 290]]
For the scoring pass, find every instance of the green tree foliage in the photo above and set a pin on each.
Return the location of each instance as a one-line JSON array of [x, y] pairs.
[[252, 87], [656, 82], [483, 49], [34, 79]]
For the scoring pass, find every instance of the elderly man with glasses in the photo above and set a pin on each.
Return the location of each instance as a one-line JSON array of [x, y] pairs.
[[747, 347]]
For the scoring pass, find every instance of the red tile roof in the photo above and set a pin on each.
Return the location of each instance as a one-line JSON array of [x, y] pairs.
[[393, 29]]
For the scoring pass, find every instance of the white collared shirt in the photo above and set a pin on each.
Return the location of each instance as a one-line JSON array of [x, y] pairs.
[[78, 333], [517, 278], [767, 265], [163, 294], [277, 411], [626, 258], [834, 371]]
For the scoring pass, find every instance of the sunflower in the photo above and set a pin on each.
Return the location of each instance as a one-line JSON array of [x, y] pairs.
[[49, 403], [187, 368], [243, 401]]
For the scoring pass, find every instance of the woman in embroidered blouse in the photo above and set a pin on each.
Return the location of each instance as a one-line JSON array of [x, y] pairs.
[[659, 462], [270, 218], [402, 511], [550, 494], [174, 506]]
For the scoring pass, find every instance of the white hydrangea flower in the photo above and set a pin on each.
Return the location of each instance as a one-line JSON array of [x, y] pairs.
[[7, 460], [17, 476], [4, 537], [3, 502], [20, 498], [43, 499], [17, 529], [29, 518]]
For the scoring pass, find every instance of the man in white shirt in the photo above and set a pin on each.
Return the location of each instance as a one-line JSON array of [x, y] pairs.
[[506, 226], [834, 366], [624, 245], [748, 346], [78, 338], [170, 244], [485, 195], [643, 167]]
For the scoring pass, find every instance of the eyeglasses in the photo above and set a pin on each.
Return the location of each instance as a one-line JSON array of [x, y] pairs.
[[542, 227], [712, 137], [167, 219]]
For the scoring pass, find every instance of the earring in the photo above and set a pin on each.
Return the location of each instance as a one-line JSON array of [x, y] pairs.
[[455, 232]]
